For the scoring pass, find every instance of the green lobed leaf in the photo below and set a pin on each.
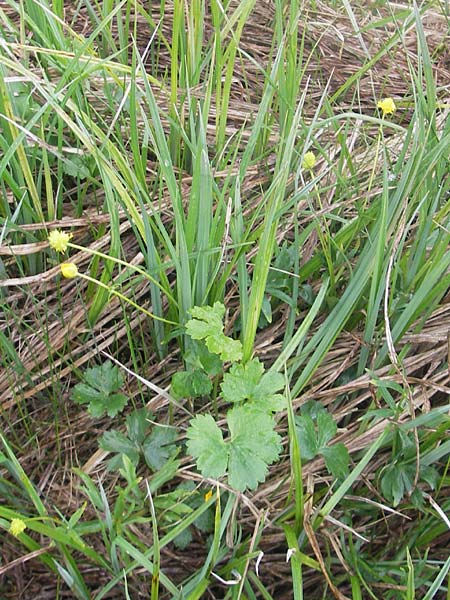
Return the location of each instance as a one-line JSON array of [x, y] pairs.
[[392, 484], [336, 459], [112, 405], [138, 424], [190, 384], [105, 378], [307, 438], [207, 325], [254, 444], [241, 381], [248, 382], [158, 446], [227, 348], [206, 321], [205, 443], [115, 441], [98, 391], [198, 357], [183, 539], [83, 394], [326, 429]]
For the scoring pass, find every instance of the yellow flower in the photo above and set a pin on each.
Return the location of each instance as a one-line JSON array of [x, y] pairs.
[[387, 106], [17, 527], [309, 161], [69, 270], [208, 495], [59, 240]]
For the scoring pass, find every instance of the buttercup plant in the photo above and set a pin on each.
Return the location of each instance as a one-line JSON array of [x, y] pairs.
[[60, 241], [387, 106], [309, 161], [17, 527]]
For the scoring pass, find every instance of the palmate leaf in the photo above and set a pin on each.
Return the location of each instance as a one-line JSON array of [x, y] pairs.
[[198, 357], [99, 389], [248, 382], [207, 324], [190, 384], [106, 378], [336, 459], [205, 443], [252, 446], [228, 349], [315, 430], [158, 446], [206, 321]]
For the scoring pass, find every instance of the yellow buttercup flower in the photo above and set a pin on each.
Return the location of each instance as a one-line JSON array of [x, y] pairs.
[[59, 240], [208, 495], [69, 270], [309, 161], [17, 527], [387, 106]]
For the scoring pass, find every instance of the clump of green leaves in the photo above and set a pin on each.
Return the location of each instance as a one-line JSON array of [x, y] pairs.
[[252, 443], [100, 390], [315, 430], [153, 443]]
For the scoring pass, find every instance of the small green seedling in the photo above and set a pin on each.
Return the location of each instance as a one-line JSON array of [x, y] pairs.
[[315, 429], [100, 391], [154, 444]]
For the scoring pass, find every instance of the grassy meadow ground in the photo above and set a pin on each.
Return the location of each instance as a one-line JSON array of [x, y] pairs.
[[291, 441]]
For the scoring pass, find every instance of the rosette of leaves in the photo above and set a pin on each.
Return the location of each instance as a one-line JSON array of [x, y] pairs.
[[100, 390], [154, 443], [252, 443], [315, 430]]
